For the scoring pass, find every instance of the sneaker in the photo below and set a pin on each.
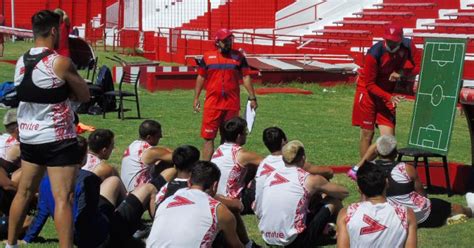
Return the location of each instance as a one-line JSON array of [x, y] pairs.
[[352, 173], [456, 219]]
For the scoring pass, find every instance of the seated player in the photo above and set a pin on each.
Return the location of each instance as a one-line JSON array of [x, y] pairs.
[[192, 217], [286, 216], [101, 144], [375, 222], [9, 144], [140, 158], [9, 161], [274, 139], [238, 167], [97, 218], [184, 158], [405, 188]]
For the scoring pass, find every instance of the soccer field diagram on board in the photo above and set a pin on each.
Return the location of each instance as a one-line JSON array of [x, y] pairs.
[[437, 95]]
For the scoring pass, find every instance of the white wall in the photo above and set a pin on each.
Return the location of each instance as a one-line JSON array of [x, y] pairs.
[[327, 13], [165, 13]]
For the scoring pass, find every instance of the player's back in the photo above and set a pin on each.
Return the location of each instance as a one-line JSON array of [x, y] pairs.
[[133, 171], [377, 225], [268, 165], [231, 181], [186, 219], [284, 206]]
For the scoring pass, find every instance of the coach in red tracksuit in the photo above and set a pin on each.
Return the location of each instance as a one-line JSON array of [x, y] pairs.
[[221, 70], [386, 63]]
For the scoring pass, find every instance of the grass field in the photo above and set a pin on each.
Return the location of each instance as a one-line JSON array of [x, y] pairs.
[[322, 121]]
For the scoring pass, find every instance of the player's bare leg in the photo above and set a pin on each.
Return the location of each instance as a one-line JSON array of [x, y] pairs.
[[366, 137], [29, 182], [62, 180], [112, 189], [207, 149]]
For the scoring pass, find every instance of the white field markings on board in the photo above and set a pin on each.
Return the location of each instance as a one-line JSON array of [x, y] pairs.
[[430, 137], [437, 95], [443, 47], [458, 81]]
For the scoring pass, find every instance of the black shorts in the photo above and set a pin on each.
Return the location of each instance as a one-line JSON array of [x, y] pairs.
[[6, 199], [440, 212], [315, 224], [248, 197], [58, 153], [125, 219]]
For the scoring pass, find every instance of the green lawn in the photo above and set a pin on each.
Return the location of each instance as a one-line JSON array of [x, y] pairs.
[[322, 121]]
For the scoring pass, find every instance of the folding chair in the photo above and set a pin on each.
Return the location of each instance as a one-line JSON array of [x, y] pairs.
[[122, 95]]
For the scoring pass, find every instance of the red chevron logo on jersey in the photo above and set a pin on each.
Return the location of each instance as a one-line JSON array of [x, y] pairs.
[[179, 201], [278, 179], [373, 227], [267, 170], [217, 154]]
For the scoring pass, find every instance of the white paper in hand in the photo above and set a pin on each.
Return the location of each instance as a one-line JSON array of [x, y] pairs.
[[250, 115]]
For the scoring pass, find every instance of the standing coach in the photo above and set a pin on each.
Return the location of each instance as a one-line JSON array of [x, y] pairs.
[[221, 69]]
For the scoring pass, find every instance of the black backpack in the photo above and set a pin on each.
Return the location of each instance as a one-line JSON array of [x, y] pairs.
[[106, 83]]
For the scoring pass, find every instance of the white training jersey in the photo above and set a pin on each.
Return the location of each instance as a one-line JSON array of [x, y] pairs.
[[284, 206], [377, 225], [92, 162], [232, 178], [134, 173], [186, 219], [44, 123], [160, 196], [268, 165], [420, 204], [6, 142]]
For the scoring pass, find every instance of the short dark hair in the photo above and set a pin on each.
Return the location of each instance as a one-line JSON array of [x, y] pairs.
[[232, 128], [273, 137], [184, 157], [371, 179], [10, 128], [204, 174], [42, 22], [99, 139], [149, 127], [82, 146]]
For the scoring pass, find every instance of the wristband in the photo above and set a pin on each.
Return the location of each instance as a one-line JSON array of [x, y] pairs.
[[252, 98]]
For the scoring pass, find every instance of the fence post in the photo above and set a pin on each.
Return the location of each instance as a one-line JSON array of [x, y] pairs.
[[228, 14], [209, 19]]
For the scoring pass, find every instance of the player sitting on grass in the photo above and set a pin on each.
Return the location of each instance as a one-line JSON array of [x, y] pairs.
[[274, 139], [184, 158], [102, 212], [141, 157], [238, 167], [405, 188], [101, 144], [375, 222], [287, 218], [9, 161], [192, 217]]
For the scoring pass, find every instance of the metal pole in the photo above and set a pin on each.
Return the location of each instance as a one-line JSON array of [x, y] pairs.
[[209, 19], [13, 19]]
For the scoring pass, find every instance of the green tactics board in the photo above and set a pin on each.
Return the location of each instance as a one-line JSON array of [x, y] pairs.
[[437, 96]]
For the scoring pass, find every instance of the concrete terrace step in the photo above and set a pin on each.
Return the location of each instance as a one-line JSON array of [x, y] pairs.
[[362, 22], [449, 25], [406, 5], [343, 31], [385, 13]]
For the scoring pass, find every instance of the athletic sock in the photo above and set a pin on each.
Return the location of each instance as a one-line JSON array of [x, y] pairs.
[[470, 201], [11, 246], [355, 167]]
